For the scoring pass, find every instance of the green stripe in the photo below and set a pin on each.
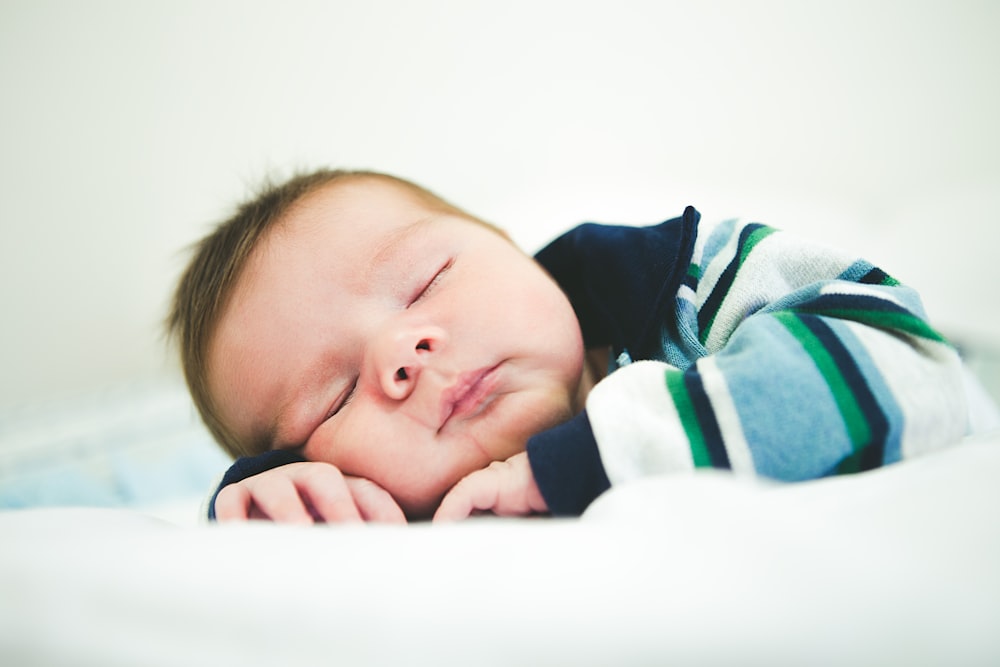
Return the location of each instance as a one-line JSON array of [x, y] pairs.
[[703, 334], [898, 320], [889, 281], [756, 236], [689, 421], [694, 271], [851, 464], [850, 411]]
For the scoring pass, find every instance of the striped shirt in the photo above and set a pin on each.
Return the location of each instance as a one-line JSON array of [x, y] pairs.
[[741, 347]]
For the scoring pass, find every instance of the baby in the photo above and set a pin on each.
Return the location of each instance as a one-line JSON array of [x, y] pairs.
[[372, 352]]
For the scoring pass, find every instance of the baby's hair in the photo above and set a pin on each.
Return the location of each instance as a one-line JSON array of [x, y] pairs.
[[217, 263]]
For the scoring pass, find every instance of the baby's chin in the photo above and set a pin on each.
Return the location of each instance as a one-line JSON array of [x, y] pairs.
[[421, 510], [420, 504], [421, 514]]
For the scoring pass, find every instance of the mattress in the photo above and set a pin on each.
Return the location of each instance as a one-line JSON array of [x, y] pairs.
[[104, 562]]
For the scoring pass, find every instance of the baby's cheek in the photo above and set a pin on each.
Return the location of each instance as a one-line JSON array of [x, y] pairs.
[[548, 407], [331, 443]]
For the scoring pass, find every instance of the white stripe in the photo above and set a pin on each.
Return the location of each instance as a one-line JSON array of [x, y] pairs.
[[704, 233], [860, 289], [925, 378], [714, 383], [711, 273], [636, 425]]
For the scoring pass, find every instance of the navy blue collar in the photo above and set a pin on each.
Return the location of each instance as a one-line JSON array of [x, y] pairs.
[[621, 280]]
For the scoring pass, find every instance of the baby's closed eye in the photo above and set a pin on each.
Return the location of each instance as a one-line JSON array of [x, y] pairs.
[[428, 286], [343, 400]]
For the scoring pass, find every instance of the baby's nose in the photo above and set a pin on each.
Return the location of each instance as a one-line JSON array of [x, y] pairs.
[[403, 357]]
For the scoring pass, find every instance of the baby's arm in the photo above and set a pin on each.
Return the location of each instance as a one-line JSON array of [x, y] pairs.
[[814, 363], [778, 358], [305, 492], [505, 488]]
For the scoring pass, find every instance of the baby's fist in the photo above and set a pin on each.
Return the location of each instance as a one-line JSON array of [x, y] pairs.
[[505, 488]]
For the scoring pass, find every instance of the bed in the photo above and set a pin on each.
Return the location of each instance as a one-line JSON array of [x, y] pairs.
[[104, 562]]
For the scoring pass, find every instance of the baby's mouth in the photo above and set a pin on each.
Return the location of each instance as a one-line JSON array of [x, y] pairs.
[[472, 392]]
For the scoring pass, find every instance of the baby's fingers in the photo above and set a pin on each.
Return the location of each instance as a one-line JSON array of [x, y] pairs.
[[271, 497], [477, 491], [326, 491], [233, 503], [306, 492], [373, 502], [506, 488]]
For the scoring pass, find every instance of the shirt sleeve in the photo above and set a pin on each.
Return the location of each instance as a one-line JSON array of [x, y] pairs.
[[781, 358], [567, 466], [790, 361]]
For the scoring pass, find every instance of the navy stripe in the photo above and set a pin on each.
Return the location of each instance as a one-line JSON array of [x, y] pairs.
[[874, 277], [872, 453], [709, 425], [714, 301], [827, 302]]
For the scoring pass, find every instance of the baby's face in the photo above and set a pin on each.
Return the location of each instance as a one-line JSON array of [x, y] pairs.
[[400, 344]]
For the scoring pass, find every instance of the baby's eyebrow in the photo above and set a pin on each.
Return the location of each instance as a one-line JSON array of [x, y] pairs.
[[393, 243]]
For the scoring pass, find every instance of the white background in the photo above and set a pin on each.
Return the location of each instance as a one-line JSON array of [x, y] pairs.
[[128, 128]]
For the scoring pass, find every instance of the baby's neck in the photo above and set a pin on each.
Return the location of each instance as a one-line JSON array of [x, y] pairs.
[[595, 367]]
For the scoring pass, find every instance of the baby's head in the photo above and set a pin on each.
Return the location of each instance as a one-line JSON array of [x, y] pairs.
[[370, 323]]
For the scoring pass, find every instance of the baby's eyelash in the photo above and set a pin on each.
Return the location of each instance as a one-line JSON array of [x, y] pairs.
[[433, 282]]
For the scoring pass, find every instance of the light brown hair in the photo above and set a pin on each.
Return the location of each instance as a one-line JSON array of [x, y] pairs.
[[217, 263]]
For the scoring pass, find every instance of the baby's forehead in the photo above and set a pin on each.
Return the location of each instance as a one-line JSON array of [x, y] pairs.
[[355, 211], [365, 194], [360, 224], [367, 208], [362, 215]]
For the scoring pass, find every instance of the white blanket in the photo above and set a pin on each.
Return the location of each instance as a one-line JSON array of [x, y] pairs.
[[896, 566]]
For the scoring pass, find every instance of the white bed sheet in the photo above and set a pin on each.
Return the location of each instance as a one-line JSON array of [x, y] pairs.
[[896, 566]]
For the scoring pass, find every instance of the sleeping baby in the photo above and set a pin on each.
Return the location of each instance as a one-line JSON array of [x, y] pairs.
[[370, 352]]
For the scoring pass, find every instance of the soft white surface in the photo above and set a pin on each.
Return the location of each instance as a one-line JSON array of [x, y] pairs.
[[895, 566]]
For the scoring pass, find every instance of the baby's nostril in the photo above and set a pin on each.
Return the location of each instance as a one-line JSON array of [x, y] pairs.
[[424, 345], [401, 374]]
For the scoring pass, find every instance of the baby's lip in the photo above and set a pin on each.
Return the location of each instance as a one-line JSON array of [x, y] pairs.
[[471, 391]]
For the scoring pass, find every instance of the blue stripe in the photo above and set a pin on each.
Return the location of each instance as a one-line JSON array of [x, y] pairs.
[[772, 413], [717, 241], [871, 454]]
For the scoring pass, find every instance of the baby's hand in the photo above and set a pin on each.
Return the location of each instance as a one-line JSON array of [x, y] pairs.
[[304, 493], [505, 488]]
